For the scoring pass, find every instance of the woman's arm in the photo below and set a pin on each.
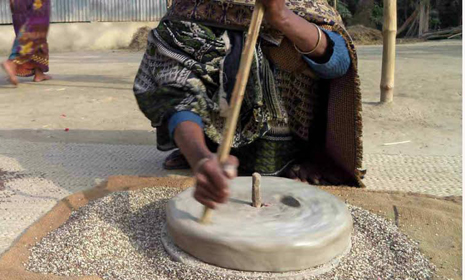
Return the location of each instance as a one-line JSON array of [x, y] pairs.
[[337, 62], [212, 178], [329, 58], [301, 32]]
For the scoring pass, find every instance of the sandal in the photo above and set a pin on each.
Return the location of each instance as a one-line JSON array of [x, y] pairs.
[[176, 161]]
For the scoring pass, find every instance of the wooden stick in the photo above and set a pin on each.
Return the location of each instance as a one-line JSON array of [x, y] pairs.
[[389, 51], [397, 143], [238, 91], [455, 35], [256, 197], [445, 32], [408, 21], [335, 4]]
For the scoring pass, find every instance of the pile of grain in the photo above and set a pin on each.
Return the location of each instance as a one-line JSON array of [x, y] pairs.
[[119, 237], [363, 35], [139, 39]]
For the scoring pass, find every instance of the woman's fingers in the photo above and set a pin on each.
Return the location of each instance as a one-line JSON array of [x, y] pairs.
[[215, 175], [203, 199], [213, 180], [204, 183]]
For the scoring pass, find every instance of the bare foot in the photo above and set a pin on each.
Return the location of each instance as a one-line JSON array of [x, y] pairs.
[[312, 173], [40, 76], [304, 172], [10, 68]]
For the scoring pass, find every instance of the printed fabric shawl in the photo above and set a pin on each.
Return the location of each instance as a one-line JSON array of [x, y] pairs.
[[343, 136]]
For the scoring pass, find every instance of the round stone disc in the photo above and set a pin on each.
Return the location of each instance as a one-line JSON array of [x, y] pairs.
[[298, 227]]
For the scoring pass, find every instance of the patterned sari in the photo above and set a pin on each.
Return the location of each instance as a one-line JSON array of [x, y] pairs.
[[191, 62], [31, 19]]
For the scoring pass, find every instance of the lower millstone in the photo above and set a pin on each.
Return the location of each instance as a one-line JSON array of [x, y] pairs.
[[299, 227]]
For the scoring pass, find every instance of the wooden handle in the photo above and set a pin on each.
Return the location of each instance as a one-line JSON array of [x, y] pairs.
[[256, 196], [238, 91]]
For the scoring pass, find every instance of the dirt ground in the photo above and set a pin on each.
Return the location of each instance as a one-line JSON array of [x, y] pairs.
[[427, 108], [90, 100], [436, 224], [91, 95]]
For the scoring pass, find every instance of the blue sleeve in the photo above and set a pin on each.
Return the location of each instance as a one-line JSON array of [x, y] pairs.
[[183, 116], [339, 61]]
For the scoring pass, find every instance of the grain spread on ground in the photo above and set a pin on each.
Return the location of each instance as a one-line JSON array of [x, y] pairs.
[[120, 237]]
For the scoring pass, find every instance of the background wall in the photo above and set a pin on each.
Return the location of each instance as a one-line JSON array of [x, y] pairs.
[[81, 36], [98, 10]]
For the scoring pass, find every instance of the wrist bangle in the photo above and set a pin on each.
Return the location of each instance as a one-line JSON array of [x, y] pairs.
[[317, 43]]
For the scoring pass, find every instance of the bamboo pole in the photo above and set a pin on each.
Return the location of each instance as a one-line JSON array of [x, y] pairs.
[[389, 51], [238, 91]]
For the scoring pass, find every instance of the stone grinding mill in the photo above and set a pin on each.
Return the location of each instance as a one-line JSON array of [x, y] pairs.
[[295, 226]]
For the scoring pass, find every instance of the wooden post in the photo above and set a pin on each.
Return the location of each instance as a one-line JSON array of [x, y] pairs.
[[335, 4], [256, 197], [238, 91], [389, 51], [424, 17], [421, 22]]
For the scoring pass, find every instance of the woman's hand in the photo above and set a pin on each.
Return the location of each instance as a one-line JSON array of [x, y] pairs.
[[213, 179]]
